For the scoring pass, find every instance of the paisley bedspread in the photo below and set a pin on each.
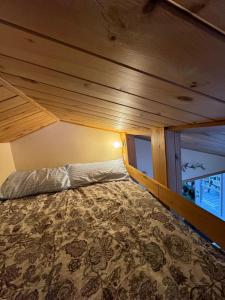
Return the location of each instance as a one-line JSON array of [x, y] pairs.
[[104, 241]]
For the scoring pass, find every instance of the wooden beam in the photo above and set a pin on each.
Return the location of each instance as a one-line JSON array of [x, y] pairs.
[[159, 155], [130, 142], [158, 145], [173, 154], [205, 124], [151, 185]]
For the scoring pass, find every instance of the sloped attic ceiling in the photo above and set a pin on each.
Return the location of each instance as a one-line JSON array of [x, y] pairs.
[[118, 65], [20, 115]]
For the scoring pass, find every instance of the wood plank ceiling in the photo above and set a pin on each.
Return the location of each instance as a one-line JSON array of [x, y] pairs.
[[119, 65], [205, 139], [20, 115]]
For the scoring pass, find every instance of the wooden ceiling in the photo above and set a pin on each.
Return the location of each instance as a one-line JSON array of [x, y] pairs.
[[205, 139], [120, 65], [20, 115]]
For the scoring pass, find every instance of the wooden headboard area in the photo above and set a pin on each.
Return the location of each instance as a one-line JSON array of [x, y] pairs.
[[132, 67]]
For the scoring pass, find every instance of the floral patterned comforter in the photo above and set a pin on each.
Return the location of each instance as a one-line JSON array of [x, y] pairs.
[[105, 241]]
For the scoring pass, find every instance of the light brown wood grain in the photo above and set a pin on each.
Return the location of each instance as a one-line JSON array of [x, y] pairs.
[[98, 71], [210, 11], [39, 74], [105, 98], [95, 121], [89, 113], [18, 92], [159, 155], [11, 103], [163, 42], [21, 127], [19, 112], [107, 114], [5, 93], [15, 111], [90, 103], [116, 62]]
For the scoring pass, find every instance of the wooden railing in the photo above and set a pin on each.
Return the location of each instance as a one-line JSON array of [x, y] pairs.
[[208, 224]]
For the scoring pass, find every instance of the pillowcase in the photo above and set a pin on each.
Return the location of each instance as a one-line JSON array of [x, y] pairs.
[[88, 173], [25, 183]]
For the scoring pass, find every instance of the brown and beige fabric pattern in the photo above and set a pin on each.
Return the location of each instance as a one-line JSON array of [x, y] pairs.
[[104, 241]]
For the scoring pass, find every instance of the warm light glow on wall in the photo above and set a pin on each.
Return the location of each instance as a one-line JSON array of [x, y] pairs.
[[117, 145]]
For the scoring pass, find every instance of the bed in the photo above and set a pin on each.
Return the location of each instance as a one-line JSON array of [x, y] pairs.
[[109, 240]]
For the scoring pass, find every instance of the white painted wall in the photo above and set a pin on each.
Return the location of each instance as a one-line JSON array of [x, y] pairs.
[[7, 165], [144, 156], [212, 163], [63, 143]]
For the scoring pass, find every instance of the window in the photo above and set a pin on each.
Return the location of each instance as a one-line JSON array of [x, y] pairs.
[[208, 193], [140, 153], [143, 151]]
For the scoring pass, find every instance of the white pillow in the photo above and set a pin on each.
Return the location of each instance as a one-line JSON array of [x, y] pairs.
[[87, 173], [25, 183]]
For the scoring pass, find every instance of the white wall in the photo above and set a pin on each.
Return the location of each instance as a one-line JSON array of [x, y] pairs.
[[212, 163], [6, 161], [144, 156], [63, 143]]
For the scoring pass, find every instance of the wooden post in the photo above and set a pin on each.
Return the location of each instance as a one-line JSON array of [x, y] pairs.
[[159, 155], [173, 152], [131, 152]]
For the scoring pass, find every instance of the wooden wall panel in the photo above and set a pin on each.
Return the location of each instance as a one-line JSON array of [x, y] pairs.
[[119, 61], [90, 103], [11, 103], [83, 65], [16, 129], [74, 84], [108, 98], [5, 93], [89, 111], [162, 42], [19, 115]]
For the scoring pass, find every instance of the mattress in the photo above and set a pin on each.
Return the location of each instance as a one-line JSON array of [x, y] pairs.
[[104, 241]]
